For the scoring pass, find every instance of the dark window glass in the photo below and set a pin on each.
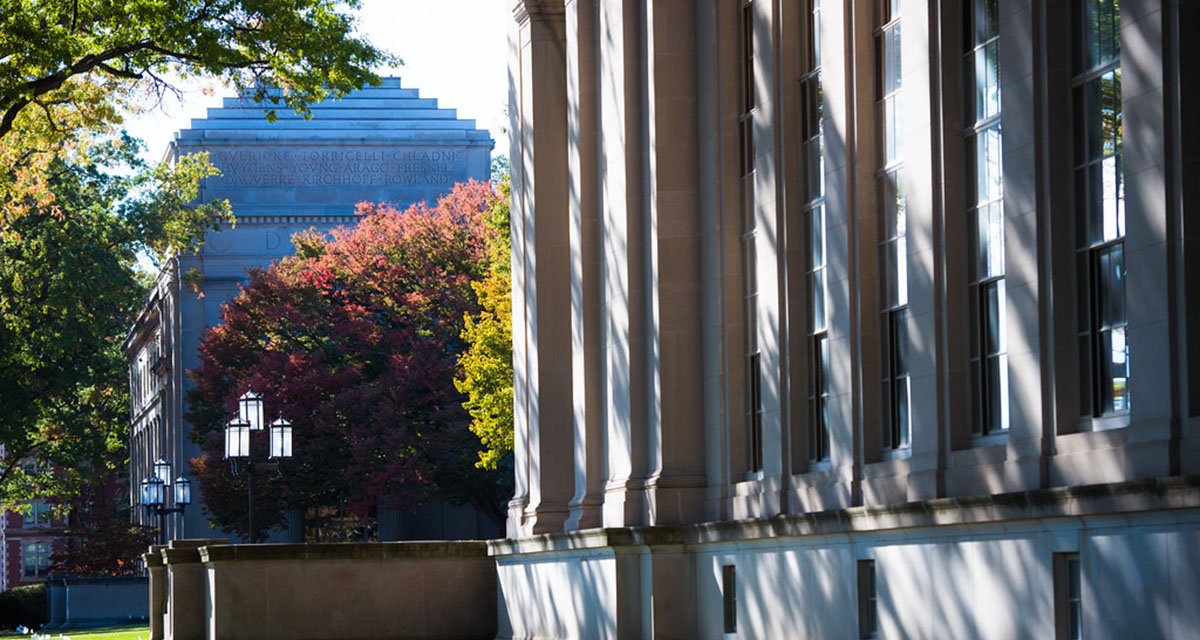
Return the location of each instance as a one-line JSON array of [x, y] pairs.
[[868, 603], [729, 597]]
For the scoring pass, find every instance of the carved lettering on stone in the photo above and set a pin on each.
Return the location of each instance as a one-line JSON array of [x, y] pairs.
[[339, 167]]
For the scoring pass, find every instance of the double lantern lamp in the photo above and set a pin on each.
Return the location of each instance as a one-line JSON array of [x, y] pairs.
[[154, 492], [154, 488], [249, 420], [237, 444]]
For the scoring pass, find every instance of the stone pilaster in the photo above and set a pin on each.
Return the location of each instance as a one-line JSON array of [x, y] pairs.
[[586, 355], [623, 241], [676, 428], [541, 281]]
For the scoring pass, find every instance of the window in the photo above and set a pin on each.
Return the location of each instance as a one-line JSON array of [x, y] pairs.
[[31, 466], [985, 213], [35, 558], [39, 515], [1099, 207], [893, 248], [749, 235], [813, 134], [1068, 596], [868, 617], [729, 597]]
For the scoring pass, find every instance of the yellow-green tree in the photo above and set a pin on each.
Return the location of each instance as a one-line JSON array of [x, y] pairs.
[[487, 370], [69, 69]]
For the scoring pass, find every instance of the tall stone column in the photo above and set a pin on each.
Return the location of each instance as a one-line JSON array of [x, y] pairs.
[[541, 270], [622, 166], [676, 428], [586, 363]]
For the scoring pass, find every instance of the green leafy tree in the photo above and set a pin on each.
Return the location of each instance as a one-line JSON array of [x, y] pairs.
[[67, 69], [487, 367], [69, 290]]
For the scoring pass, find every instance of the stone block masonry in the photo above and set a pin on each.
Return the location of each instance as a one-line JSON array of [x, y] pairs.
[[427, 590]]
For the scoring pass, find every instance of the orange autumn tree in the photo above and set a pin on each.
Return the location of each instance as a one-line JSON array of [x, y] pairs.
[[355, 339]]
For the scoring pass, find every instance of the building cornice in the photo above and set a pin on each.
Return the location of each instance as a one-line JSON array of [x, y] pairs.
[[525, 10], [1171, 493]]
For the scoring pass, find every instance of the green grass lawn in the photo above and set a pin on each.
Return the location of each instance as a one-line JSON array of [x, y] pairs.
[[132, 632]]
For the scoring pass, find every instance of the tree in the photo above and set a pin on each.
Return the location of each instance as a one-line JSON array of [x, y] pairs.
[[487, 367], [69, 290], [101, 540], [354, 339], [67, 69]]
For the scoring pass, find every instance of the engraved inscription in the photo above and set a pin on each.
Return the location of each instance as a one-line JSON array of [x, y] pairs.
[[339, 167]]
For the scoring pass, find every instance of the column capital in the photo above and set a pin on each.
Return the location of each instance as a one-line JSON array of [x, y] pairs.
[[524, 10]]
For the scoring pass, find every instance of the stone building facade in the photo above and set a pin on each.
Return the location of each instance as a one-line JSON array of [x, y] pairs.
[[854, 318], [382, 144]]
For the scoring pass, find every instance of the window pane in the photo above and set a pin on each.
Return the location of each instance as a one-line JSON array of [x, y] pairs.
[[1092, 33], [1089, 144], [889, 130], [1112, 198], [899, 343], [1085, 375], [978, 396], [1110, 287], [816, 169], [1108, 29], [987, 82], [815, 34], [1074, 598], [994, 393], [1110, 111], [901, 267], [991, 18], [817, 246], [996, 239], [889, 200], [894, 66], [991, 318], [1095, 203], [818, 300], [989, 173], [889, 274]]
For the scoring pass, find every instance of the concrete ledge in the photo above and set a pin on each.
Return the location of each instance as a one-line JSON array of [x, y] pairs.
[[427, 590], [1176, 492], [153, 558], [342, 551]]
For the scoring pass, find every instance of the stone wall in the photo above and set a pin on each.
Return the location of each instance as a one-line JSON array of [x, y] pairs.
[[428, 590], [83, 602], [952, 568]]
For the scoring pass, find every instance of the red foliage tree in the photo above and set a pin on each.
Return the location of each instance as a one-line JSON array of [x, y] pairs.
[[354, 339], [100, 540]]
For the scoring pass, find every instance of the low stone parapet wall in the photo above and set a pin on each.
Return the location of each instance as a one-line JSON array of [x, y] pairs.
[[431, 590], [83, 602]]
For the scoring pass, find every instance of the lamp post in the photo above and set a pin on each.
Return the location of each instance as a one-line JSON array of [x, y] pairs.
[[237, 444], [154, 494]]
